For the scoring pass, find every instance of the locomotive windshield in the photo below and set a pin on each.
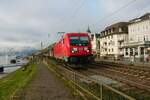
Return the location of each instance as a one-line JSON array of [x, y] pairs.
[[79, 40]]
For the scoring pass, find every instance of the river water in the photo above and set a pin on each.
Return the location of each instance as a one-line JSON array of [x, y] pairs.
[[8, 70]]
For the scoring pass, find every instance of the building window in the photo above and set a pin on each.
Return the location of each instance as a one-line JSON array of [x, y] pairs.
[[142, 50], [105, 43], [112, 50], [113, 29], [120, 29], [120, 43], [126, 51], [146, 51], [136, 52], [145, 38], [131, 39], [98, 44], [131, 51]]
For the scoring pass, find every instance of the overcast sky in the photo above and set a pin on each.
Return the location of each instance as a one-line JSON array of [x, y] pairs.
[[28, 22]]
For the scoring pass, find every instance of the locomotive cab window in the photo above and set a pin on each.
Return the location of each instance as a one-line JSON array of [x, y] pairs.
[[79, 40], [84, 40], [74, 40]]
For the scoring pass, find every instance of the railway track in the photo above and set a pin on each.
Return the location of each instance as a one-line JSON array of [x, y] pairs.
[[128, 75], [132, 76], [141, 74], [136, 74], [106, 64]]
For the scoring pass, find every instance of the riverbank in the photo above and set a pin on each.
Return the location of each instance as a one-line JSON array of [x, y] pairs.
[[8, 71], [13, 82], [45, 86]]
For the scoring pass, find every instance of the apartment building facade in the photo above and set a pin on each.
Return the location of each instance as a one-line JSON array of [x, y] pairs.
[[112, 40], [138, 43]]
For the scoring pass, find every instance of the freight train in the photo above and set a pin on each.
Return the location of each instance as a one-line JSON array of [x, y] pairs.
[[72, 48]]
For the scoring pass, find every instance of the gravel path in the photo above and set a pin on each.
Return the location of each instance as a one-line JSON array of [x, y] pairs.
[[45, 86]]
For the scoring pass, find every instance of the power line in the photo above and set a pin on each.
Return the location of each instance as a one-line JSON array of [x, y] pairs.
[[72, 15], [75, 12], [145, 7], [111, 14]]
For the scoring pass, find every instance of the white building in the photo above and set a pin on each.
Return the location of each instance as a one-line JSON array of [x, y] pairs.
[[112, 40], [138, 38], [95, 44]]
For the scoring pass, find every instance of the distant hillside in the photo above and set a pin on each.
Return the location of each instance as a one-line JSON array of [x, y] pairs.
[[22, 52], [25, 52]]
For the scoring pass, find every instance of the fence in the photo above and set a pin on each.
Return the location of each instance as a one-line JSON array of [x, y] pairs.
[[91, 88]]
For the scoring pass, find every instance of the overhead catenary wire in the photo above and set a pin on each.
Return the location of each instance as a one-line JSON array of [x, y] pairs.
[[116, 11], [145, 7], [69, 20]]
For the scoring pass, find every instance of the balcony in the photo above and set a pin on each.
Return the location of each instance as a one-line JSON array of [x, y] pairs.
[[139, 43]]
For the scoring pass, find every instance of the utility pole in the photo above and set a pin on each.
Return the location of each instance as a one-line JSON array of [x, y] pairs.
[[41, 45], [6, 54]]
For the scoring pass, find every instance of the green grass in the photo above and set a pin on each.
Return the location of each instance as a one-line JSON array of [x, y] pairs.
[[10, 84]]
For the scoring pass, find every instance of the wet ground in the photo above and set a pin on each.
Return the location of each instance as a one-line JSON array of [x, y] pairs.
[[46, 86]]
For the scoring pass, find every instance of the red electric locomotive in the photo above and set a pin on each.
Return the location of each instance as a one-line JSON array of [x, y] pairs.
[[73, 47]]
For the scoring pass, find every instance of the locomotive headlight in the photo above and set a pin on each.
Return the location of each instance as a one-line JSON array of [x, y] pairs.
[[88, 50], [74, 50]]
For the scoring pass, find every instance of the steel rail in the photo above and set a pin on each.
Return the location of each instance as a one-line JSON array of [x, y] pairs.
[[123, 65], [132, 83]]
